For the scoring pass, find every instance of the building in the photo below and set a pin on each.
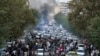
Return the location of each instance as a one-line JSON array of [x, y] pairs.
[[56, 9], [62, 6]]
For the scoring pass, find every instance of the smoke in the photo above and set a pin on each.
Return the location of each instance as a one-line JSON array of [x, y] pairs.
[[45, 10], [45, 7]]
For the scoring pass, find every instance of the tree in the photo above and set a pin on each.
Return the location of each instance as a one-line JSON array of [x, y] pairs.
[[94, 30], [14, 16], [84, 16], [81, 13]]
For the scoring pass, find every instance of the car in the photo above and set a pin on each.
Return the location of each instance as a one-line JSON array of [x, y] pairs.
[[40, 52], [39, 33], [37, 36], [81, 46], [81, 52], [3, 52], [71, 53], [46, 35]]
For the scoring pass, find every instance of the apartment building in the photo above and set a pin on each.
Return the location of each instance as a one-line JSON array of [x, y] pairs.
[[62, 6]]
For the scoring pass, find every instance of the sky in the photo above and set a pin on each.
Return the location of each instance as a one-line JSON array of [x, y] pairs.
[[37, 3], [62, 0]]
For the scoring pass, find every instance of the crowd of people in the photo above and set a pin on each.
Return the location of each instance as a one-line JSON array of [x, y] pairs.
[[91, 50], [27, 47], [55, 47]]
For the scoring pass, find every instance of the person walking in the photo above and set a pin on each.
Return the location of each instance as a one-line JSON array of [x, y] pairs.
[[93, 53]]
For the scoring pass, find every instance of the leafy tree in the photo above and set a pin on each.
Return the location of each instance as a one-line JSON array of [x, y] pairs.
[[94, 30], [83, 16], [63, 20], [14, 16]]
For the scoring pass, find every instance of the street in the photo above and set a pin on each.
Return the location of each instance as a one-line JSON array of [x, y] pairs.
[[46, 43], [48, 38]]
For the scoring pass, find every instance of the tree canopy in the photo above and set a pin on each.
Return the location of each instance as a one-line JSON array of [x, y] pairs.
[[85, 17], [14, 16]]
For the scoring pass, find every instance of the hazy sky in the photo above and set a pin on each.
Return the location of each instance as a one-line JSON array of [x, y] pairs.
[[62, 0], [37, 3]]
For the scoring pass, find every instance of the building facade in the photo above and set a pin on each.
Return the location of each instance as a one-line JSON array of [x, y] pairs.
[[62, 6]]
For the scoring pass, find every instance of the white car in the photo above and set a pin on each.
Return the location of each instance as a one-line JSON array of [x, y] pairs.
[[40, 52], [81, 52], [46, 34], [37, 36], [2, 52], [81, 46]]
